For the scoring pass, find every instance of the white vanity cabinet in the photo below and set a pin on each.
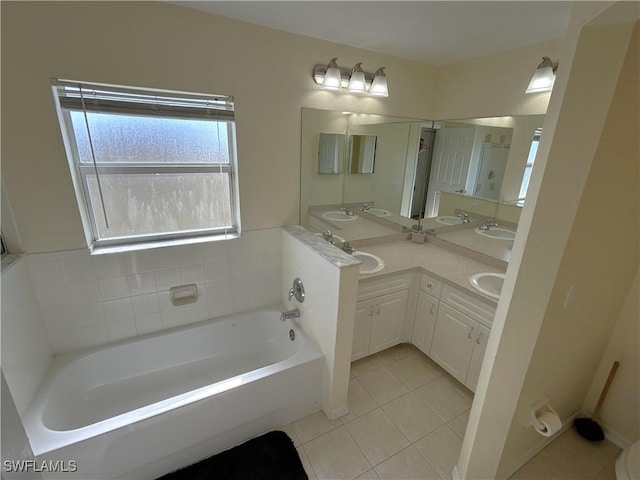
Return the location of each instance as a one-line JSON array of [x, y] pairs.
[[380, 314], [426, 312], [460, 336]]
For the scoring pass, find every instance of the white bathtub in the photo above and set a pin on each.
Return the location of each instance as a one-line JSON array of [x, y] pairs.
[[146, 406]]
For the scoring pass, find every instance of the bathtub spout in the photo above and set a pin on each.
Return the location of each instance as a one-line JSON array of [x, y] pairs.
[[289, 314]]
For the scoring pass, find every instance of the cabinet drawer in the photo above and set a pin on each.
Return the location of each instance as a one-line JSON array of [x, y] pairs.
[[430, 284], [381, 286], [468, 305]]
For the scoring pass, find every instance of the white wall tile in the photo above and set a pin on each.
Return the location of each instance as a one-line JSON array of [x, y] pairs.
[[107, 266], [187, 255], [52, 298], [114, 288], [61, 342], [214, 252], [165, 279], [57, 321], [85, 316], [145, 304], [92, 336], [116, 310], [45, 274], [193, 274], [172, 318], [142, 283], [77, 270], [83, 293], [217, 299], [239, 294], [148, 323], [122, 329], [217, 272]]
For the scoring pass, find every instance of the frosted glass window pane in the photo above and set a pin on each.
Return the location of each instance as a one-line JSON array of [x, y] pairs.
[[138, 139], [146, 204]]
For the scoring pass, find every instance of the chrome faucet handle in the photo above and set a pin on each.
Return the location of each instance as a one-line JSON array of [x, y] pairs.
[[328, 236], [367, 206], [348, 248], [347, 211]]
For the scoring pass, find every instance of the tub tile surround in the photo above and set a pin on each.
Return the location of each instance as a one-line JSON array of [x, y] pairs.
[[87, 300]]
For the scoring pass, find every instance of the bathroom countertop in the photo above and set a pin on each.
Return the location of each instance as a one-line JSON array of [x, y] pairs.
[[469, 238], [451, 267]]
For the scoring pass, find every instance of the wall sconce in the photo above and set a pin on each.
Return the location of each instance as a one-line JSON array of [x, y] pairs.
[[353, 80], [544, 77]]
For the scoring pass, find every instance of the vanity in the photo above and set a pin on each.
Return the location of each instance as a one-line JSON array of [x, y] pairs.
[[369, 182]]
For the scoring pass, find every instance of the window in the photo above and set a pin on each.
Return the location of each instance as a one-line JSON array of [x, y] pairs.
[[524, 186], [150, 168]]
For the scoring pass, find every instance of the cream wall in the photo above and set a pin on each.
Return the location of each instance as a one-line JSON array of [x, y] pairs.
[[494, 86], [620, 414], [159, 45], [539, 347]]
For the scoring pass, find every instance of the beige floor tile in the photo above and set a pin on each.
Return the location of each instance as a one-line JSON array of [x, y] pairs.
[[377, 436], [534, 469], [335, 455], [360, 402], [364, 365], [291, 432], [406, 465], [607, 473], [443, 399], [431, 364], [568, 462], [306, 464], [412, 416], [370, 475], [459, 424], [395, 353], [441, 449], [603, 452], [313, 426], [460, 388], [412, 371], [382, 385]]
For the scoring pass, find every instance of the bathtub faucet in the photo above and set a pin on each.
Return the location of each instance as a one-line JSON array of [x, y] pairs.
[[290, 314]]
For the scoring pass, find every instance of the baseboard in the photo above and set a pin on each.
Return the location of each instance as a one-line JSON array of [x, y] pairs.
[[336, 413], [614, 437]]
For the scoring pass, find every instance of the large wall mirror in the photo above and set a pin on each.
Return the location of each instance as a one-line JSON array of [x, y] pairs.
[[418, 168]]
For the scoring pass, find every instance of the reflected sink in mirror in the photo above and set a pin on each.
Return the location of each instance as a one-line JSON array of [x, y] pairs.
[[370, 263], [499, 233], [379, 212], [487, 283], [449, 220], [339, 216]]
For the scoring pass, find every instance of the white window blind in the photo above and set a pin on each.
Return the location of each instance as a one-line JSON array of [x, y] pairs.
[[150, 167]]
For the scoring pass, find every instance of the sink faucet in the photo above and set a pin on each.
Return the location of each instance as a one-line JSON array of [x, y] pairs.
[[328, 236], [347, 211], [367, 206], [488, 223], [464, 216], [347, 247], [290, 314]]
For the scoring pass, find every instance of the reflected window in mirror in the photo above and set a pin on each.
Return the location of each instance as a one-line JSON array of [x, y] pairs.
[[529, 166]]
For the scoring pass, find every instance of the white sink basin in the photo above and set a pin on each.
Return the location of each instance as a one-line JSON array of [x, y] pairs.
[[339, 216], [379, 212], [499, 233], [449, 220], [370, 263], [488, 283]]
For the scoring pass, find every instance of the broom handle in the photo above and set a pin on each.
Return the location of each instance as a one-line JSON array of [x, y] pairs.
[[605, 390]]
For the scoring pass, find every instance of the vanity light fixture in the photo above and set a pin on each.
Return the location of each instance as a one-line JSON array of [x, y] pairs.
[[544, 77], [353, 80]]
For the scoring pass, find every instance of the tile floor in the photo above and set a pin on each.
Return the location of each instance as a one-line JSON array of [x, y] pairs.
[[407, 419]]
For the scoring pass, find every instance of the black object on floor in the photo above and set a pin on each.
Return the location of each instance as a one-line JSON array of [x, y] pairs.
[[271, 456]]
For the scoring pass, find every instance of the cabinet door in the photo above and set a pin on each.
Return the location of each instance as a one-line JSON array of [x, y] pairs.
[[479, 347], [425, 321], [387, 323], [362, 330], [453, 341]]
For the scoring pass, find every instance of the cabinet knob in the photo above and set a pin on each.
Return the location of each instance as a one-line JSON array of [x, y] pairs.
[[478, 339], [470, 334], [378, 309], [371, 311], [429, 285]]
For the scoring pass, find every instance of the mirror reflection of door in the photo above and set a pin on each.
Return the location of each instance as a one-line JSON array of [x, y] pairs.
[[423, 171], [451, 158], [362, 153]]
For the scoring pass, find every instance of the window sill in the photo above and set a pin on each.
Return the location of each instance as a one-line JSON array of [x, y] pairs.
[[133, 247]]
